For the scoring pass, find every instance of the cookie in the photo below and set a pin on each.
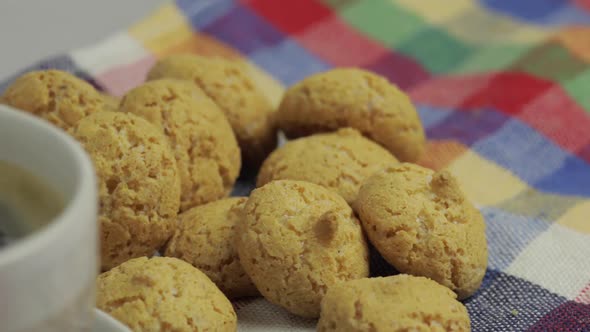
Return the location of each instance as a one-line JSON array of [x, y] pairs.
[[111, 103], [206, 151], [349, 97], [296, 240], [54, 95], [422, 224], [340, 161], [205, 238], [164, 294], [397, 303], [138, 182], [227, 82]]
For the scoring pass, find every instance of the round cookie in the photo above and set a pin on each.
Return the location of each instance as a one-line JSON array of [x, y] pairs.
[[138, 182], [422, 224], [164, 294], [296, 240], [206, 151], [54, 95], [205, 238], [350, 97], [227, 82], [390, 304], [340, 161]]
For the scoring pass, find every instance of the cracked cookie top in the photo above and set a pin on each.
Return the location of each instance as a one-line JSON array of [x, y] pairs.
[[202, 140], [54, 95], [421, 223], [138, 183], [396, 303], [164, 294], [351, 97], [228, 83], [205, 238], [340, 161], [296, 240]]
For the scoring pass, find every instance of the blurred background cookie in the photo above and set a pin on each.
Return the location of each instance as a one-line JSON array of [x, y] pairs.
[[138, 182], [111, 102], [205, 148], [54, 95], [205, 238], [422, 224], [340, 161], [296, 240], [164, 294], [396, 303], [350, 97], [227, 82]]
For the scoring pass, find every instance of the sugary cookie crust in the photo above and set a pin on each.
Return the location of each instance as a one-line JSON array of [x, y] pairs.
[[390, 304], [205, 238], [164, 294], [296, 240], [227, 82], [422, 224], [340, 161], [202, 140], [138, 182], [351, 97], [54, 95]]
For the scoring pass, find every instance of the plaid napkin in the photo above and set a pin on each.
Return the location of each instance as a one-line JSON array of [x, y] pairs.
[[503, 90]]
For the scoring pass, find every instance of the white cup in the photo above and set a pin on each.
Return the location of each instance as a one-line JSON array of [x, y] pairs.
[[47, 278]]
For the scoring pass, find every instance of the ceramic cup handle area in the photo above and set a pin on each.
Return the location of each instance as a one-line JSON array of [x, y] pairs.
[[47, 278]]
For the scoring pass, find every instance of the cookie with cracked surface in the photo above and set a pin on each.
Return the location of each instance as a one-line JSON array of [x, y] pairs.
[[390, 304], [296, 240], [421, 223], [164, 294], [227, 82], [340, 161], [205, 238], [54, 95], [206, 150], [351, 97], [138, 182]]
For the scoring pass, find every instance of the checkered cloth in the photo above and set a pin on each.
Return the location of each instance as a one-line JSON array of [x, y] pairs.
[[503, 90]]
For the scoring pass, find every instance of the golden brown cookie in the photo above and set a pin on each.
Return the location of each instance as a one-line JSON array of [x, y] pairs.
[[422, 224], [296, 240], [164, 294], [206, 151], [111, 102], [350, 97], [205, 238], [138, 182], [54, 95], [392, 304], [340, 161], [227, 82]]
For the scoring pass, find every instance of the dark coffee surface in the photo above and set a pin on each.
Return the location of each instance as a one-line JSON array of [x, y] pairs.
[[26, 203]]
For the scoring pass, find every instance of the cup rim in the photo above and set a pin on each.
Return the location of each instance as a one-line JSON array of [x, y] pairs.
[[113, 323], [45, 236]]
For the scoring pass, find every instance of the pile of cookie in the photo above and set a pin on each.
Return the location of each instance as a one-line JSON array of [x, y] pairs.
[[175, 248]]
